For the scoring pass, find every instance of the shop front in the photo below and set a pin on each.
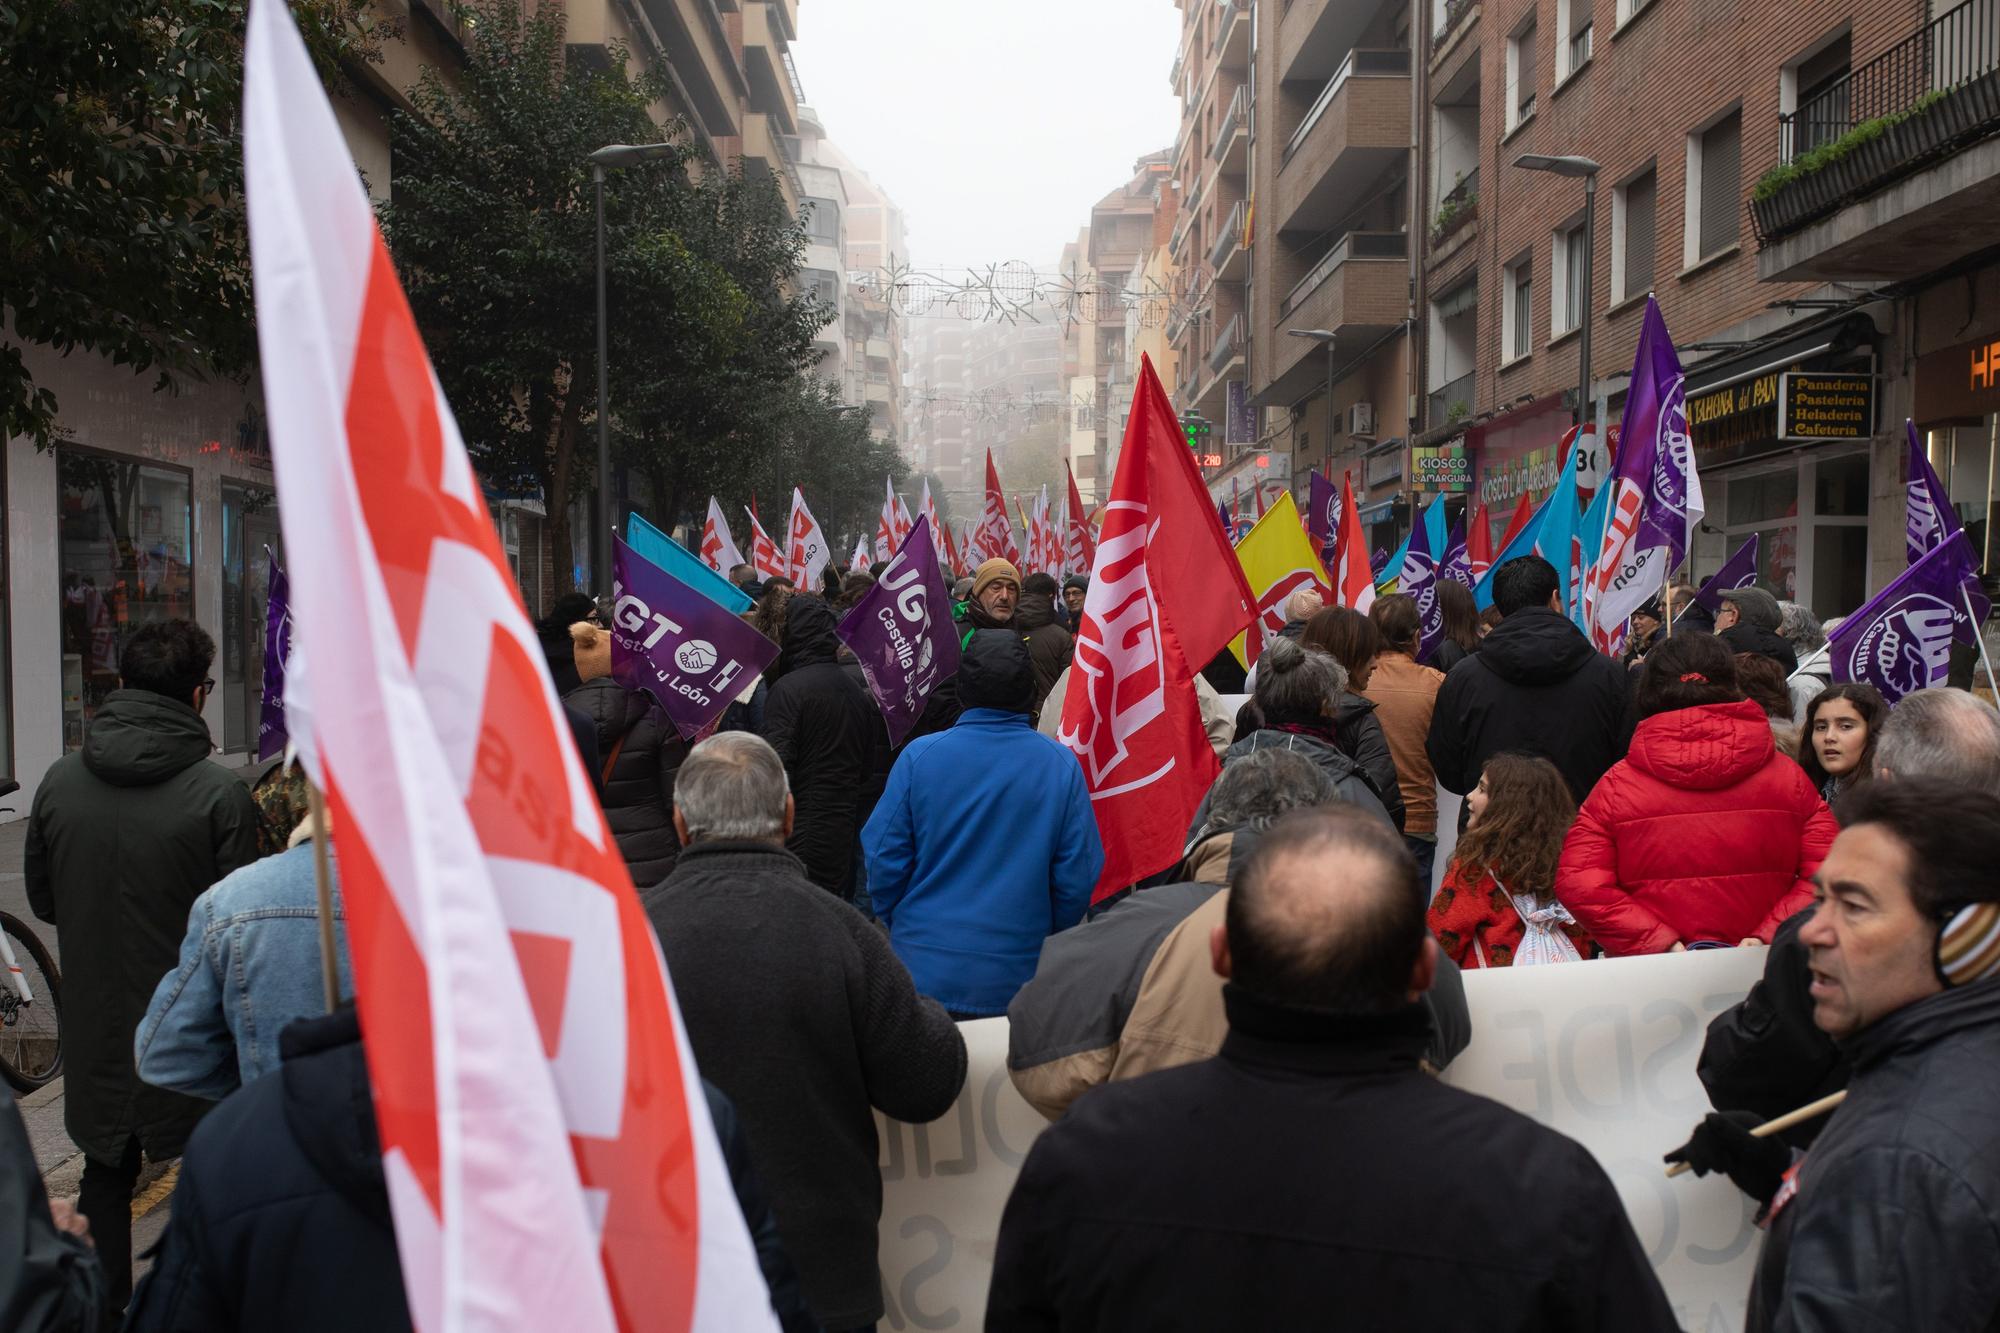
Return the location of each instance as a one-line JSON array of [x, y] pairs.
[[1518, 453], [1785, 449], [1958, 417]]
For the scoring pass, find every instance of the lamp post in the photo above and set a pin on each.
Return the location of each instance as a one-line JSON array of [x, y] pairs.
[[612, 155], [1587, 169]]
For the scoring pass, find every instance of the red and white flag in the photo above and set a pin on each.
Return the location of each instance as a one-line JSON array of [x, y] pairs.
[[1353, 579], [546, 1145], [928, 507], [765, 557], [994, 538], [887, 543], [718, 548], [806, 555], [1166, 593], [1479, 542], [1042, 539], [858, 562], [1079, 544], [903, 520]]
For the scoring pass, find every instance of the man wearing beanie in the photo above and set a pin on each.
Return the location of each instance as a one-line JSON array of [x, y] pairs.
[[996, 592], [966, 887]]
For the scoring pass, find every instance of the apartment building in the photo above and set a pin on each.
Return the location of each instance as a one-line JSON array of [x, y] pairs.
[[1328, 296], [940, 438], [1719, 141], [159, 505]]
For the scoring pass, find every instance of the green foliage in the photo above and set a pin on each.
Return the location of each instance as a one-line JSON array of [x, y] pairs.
[[493, 228], [121, 183], [1825, 155], [1454, 207]]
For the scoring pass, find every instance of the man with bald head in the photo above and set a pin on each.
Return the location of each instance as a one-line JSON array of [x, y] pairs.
[[1311, 1174]]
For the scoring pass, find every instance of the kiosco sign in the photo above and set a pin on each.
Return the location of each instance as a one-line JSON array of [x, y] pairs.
[[1602, 1051]]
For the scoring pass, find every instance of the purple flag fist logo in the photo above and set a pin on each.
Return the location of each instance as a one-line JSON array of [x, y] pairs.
[[1906, 646]]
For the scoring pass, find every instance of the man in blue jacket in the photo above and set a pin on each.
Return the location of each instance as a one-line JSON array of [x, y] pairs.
[[967, 885]]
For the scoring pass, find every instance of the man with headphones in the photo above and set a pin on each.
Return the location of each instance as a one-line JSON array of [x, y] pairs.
[[1892, 1218]]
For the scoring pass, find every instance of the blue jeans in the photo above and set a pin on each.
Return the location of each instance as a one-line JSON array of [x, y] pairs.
[[1425, 850]]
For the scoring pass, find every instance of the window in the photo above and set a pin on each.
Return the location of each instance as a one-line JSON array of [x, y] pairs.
[[1566, 275], [126, 546], [250, 540], [1714, 188], [1519, 296], [1521, 75], [1632, 235], [1573, 25], [1814, 97], [822, 217], [822, 284], [1631, 9]]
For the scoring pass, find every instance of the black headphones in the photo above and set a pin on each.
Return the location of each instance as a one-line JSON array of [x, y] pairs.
[[1968, 944]]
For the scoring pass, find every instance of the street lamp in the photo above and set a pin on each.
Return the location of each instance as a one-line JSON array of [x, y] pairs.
[[1325, 337], [1587, 169], [612, 155]]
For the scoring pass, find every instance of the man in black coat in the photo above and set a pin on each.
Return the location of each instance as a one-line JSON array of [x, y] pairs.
[[796, 1007], [1749, 624], [823, 726], [1536, 686], [1311, 1175], [1892, 1219], [281, 1218], [122, 838]]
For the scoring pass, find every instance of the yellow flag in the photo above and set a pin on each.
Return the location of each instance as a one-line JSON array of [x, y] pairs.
[[1278, 560]]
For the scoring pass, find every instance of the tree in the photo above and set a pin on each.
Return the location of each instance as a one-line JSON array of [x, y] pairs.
[[493, 229], [121, 185]]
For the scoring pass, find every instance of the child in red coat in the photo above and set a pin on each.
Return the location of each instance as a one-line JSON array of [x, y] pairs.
[[1501, 884]]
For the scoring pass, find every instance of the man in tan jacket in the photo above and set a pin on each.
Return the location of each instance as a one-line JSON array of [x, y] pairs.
[[1405, 695]]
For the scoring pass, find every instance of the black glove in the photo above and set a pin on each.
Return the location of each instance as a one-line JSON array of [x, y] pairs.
[[1723, 1142]]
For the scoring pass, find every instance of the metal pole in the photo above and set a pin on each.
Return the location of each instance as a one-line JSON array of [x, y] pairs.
[[1979, 638], [329, 968], [1583, 339], [601, 575], [1329, 402]]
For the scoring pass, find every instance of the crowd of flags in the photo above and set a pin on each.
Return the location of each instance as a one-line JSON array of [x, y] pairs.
[[546, 1144]]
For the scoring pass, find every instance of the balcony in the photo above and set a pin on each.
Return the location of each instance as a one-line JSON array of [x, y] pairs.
[[1314, 36], [1359, 290], [1356, 129], [1226, 256], [700, 56], [771, 90], [1232, 137], [1459, 207], [1232, 37], [1451, 403], [1899, 173], [1228, 345]]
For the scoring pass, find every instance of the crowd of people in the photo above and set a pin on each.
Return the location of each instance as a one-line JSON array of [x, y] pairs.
[[830, 904]]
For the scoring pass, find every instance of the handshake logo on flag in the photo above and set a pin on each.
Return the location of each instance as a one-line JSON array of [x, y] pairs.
[[1908, 646]]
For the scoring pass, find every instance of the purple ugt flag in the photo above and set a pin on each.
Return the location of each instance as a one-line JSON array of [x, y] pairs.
[[1457, 564], [1900, 640], [692, 655], [1419, 578], [271, 733], [1738, 571], [1322, 510], [1929, 520], [901, 633]]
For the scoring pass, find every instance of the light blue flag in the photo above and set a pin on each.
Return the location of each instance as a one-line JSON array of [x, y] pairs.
[[1523, 544], [657, 548], [1559, 528]]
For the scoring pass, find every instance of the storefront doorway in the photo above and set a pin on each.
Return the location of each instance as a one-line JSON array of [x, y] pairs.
[[250, 538], [1810, 513]]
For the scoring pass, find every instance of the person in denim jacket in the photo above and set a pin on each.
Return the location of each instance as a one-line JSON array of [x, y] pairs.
[[249, 965]]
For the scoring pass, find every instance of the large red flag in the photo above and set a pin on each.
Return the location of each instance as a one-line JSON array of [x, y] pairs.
[[546, 1148], [1166, 594], [1079, 543], [1524, 514], [765, 557], [995, 534], [1479, 541], [1353, 580]]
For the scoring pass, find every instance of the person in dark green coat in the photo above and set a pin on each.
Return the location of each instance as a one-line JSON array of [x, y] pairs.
[[122, 838]]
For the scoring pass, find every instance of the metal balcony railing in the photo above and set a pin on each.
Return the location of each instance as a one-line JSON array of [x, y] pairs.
[[1359, 63], [1951, 50], [1227, 344], [1229, 237], [1232, 120], [1451, 402]]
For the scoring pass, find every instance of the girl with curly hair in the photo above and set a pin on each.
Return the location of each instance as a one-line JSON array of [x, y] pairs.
[[1497, 906]]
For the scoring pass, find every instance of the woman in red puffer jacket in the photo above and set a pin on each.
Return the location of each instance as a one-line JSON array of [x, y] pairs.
[[1703, 834]]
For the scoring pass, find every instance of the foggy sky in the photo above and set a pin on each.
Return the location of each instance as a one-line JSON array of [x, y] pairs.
[[994, 126]]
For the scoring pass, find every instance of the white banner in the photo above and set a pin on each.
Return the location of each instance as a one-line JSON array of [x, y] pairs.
[[1603, 1051]]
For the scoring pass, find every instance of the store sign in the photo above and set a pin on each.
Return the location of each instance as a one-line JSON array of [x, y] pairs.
[[1738, 421], [1534, 473], [1960, 383], [1239, 419], [1821, 405], [1381, 469], [1441, 467]]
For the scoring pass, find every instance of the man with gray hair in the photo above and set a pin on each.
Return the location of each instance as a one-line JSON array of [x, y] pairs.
[[1766, 1055], [1132, 991], [799, 1011]]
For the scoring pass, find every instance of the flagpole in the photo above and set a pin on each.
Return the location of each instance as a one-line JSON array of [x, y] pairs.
[[1815, 656], [329, 969], [1964, 595]]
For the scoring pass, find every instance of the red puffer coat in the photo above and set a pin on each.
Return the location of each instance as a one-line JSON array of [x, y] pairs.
[[1702, 832]]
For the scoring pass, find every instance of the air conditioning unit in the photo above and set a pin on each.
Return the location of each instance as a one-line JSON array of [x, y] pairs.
[[1361, 419]]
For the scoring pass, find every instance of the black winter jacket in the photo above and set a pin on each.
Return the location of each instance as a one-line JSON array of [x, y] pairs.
[[797, 1009], [1357, 734], [1213, 1196], [1050, 646], [281, 1218], [122, 838], [1348, 779], [639, 752], [1745, 638], [1896, 1224], [1535, 685], [1764, 1053], [823, 728], [51, 1281]]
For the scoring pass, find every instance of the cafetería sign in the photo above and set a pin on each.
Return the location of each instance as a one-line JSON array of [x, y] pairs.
[[1822, 405]]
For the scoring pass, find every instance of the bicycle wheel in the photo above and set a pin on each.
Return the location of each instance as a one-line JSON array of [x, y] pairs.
[[30, 1030]]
